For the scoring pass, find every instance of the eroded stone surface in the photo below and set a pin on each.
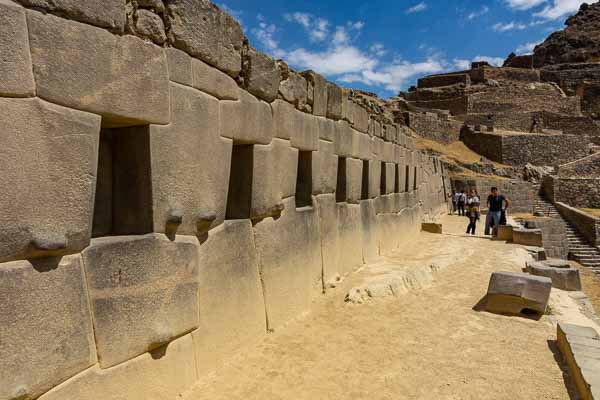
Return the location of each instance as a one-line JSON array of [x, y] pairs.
[[213, 81], [126, 81], [15, 63], [46, 328], [263, 76], [144, 293], [248, 120], [48, 161], [106, 14], [204, 31]]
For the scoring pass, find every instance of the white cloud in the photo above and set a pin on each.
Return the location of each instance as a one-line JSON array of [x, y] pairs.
[[422, 6], [378, 49], [336, 60], [561, 8], [476, 14], [264, 34], [317, 28], [462, 64], [510, 26], [524, 4], [526, 48], [495, 61]]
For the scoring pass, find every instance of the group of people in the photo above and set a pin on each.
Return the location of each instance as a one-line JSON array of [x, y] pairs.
[[469, 205]]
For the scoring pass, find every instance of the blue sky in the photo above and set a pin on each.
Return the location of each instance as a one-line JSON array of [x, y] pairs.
[[383, 46]]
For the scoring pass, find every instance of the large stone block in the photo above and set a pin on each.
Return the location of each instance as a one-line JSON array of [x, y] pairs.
[[144, 293], [262, 75], [345, 139], [528, 237], [46, 328], [48, 162], [300, 128], [580, 348], [190, 164], [353, 180], [370, 236], [562, 278], [360, 118], [214, 82], [180, 66], [204, 31], [109, 14], [516, 293], [350, 235], [289, 250], [319, 87], [122, 78], [274, 178], [334, 101], [324, 169], [149, 25], [293, 89], [164, 373], [374, 178], [326, 129], [15, 63], [390, 177], [248, 120], [232, 309]]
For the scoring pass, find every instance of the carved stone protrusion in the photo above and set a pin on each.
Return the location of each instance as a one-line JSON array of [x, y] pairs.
[[205, 221]]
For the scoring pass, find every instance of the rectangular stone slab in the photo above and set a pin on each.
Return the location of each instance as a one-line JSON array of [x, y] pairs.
[[122, 78], [144, 293], [164, 373], [46, 328], [232, 308], [190, 164], [48, 163]]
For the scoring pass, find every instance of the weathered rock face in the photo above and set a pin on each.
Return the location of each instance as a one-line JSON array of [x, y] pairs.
[[579, 42], [106, 14], [205, 31]]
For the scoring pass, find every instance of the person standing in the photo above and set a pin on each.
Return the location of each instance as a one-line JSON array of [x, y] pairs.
[[455, 196], [473, 204], [495, 203], [462, 200]]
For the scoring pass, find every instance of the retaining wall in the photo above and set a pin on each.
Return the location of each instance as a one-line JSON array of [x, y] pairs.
[[520, 149], [170, 195], [587, 224]]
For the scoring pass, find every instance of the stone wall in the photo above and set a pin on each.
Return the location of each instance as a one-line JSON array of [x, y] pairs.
[[169, 196], [444, 80], [587, 224], [520, 149], [433, 126], [576, 192], [482, 73], [554, 236], [588, 167]]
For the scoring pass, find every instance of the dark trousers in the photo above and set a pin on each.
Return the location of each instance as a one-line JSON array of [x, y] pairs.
[[461, 209], [472, 225]]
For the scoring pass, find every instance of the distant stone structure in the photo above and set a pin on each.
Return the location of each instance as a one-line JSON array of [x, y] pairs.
[[170, 194]]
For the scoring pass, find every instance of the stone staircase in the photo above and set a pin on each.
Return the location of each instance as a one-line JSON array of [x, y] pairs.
[[579, 249]]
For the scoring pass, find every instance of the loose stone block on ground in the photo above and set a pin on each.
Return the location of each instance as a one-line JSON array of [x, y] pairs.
[[46, 329], [144, 293], [516, 293], [562, 278]]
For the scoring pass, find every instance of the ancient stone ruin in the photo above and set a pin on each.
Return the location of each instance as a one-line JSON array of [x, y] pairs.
[[171, 194]]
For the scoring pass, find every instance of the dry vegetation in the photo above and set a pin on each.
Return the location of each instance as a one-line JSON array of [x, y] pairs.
[[593, 211]]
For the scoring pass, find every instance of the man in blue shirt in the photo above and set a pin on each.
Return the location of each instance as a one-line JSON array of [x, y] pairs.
[[496, 203]]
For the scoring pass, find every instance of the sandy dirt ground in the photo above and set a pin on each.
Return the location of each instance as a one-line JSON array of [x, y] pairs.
[[426, 344]]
